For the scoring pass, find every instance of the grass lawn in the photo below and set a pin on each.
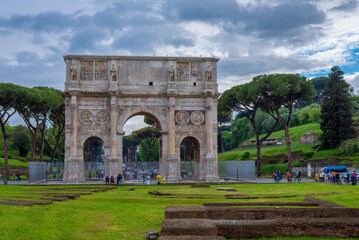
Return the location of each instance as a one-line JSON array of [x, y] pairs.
[[122, 214], [13, 163]]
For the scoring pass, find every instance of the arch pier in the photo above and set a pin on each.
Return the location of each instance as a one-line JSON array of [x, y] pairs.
[[178, 93]]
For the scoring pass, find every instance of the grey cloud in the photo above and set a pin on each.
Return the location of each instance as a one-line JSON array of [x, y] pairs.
[[34, 73], [86, 39], [48, 21], [265, 64], [346, 6]]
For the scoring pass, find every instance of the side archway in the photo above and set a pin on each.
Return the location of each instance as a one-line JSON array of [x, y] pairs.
[[190, 156], [94, 158]]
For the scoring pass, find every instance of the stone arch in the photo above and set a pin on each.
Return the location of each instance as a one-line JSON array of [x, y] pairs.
[[174, 91], [125, 115], [154, 116]]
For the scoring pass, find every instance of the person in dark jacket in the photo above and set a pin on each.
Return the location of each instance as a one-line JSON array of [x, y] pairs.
[[107, 179]]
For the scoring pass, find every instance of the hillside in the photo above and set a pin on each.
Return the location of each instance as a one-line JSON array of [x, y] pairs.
[[275, 156], [297, 132]]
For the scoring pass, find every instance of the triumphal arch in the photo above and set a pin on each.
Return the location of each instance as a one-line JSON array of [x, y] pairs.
[[178, 93]]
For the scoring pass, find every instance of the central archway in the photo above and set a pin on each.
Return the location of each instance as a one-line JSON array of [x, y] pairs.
[[147, 139]]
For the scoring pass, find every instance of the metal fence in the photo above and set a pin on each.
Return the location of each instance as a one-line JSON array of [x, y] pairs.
[[134, 170]]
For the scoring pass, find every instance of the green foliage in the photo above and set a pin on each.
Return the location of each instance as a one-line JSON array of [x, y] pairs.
[[229, 141], [21, 140], [319, 84], [350, 146], [336, 115], [246, 156], [304, 115], [148, 138], [241, 130], [146, 154]]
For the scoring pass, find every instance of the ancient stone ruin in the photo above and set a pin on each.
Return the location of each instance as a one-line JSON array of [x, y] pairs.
[[178, 93], [236, 220]]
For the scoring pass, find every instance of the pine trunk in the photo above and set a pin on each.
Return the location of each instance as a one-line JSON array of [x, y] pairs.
[[42, 140], [6, 151], [289, 151], [35, 142]]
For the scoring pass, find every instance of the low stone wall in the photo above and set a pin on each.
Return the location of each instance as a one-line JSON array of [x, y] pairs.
[[226, 220], [16, 170]]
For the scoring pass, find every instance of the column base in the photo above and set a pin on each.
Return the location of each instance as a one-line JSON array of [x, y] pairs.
[[74, 171], [172, 169]]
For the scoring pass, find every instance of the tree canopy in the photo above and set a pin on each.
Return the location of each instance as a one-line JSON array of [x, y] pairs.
[[336, 114]]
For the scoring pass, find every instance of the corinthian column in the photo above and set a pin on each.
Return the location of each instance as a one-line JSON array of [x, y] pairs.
[[74, 126], [209, 127], [113, 126]]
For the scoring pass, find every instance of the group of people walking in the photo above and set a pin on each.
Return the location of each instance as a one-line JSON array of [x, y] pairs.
[[146, 178], [111, 180], [277, 175], [336, 177]]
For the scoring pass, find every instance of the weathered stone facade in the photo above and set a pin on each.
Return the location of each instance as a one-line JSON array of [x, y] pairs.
[[178, 93]]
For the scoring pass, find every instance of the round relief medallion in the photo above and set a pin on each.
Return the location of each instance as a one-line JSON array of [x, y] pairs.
[[197, 118], [86, 117], [102, 117], [182, 117]]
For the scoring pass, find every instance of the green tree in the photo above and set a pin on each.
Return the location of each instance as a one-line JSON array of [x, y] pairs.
[[304, 115], [20, 138], [148, 138], [11, 96], [283, 90], [129, 146], [247, 99], [319, 84], [228, 140], [314, 115], [336, 114], [241, 130]]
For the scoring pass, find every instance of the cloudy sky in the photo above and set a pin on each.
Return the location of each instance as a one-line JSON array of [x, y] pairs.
[[251, 37]]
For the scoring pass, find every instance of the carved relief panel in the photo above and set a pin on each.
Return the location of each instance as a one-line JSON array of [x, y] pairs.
[[182, 71], [86, 72], [196, 72], [101, 71], [190, 117]]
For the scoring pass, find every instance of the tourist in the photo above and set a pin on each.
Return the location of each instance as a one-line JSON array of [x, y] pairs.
[[163, 180], [119, 179], [275, 177], [148, 179], [325, 178], [158, 179], [297, 175], [112, 180], [279, 176], [353, 179], [321, 177], [143, 178], [107, 179], [355, 174], [288, 177], [316, 177]]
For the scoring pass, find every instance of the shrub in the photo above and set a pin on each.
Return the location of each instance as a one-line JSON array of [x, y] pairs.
[[246, 156], [350, 146]]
